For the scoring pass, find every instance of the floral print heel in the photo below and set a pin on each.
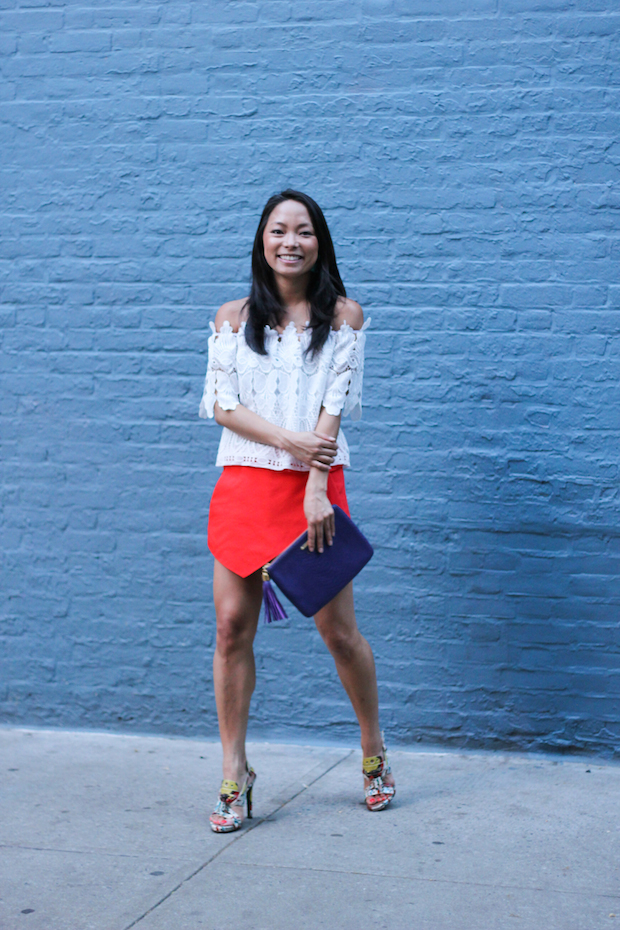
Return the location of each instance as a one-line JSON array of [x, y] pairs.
[[378, 794], [224, 818]]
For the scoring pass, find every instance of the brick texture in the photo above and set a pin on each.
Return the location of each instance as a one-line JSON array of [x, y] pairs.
[[466, 156]]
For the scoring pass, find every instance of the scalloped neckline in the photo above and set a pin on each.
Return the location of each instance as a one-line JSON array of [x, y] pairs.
[[226, 326], [287, 328], [299, 332]]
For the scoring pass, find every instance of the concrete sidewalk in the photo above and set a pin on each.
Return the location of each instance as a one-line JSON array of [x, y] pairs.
[[106, 832]]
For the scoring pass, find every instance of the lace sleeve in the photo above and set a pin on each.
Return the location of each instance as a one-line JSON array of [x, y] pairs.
[[346, 372], [221, 381]]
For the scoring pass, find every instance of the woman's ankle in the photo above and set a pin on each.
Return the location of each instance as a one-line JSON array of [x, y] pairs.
[[372, 746], [234, 769]]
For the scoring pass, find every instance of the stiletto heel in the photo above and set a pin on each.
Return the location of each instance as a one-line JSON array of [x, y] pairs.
[[377, 793], [224, 819]]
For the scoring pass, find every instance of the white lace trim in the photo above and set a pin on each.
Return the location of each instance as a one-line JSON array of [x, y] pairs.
[[286, 387]]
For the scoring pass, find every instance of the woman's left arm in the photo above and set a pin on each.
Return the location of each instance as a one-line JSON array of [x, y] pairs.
[[317, 508]]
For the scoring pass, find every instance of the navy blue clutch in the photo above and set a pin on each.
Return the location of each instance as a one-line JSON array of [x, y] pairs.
[[311, 579]]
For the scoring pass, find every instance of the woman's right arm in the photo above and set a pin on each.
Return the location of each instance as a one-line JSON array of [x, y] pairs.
[[314, 448]]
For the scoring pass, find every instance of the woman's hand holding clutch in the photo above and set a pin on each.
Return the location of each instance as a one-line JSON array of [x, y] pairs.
[[319, 512]]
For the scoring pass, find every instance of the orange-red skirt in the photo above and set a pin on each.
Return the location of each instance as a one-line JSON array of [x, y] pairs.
[[255, 513]]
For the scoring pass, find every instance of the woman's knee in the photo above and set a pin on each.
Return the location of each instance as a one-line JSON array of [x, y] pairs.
[[235, 629], [342, 643]]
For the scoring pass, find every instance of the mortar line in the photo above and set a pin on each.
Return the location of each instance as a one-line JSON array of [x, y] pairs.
[[236, 839]]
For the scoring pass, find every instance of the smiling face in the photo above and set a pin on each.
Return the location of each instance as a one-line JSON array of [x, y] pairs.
[[290, 244]]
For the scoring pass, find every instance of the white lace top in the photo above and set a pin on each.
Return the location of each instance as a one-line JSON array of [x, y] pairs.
[[285, 387]]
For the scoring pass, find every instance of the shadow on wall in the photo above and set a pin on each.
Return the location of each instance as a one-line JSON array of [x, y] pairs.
[[509, 614]]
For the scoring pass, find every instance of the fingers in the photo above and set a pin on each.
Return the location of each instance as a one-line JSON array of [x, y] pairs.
[[318, 529], [325, 456], [328, 532], [323, 460], [328, 443], [316, 449], [321, 533]]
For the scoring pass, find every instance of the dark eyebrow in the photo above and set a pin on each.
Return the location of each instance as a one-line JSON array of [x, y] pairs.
[[300, 226]]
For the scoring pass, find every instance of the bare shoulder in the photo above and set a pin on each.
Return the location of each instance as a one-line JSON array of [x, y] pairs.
[[348, 311], [231, 312]]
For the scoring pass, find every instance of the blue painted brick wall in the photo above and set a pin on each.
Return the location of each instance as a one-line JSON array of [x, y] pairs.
[[467, 158]]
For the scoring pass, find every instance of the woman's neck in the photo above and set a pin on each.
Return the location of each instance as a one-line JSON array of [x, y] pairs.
[[293, 297]]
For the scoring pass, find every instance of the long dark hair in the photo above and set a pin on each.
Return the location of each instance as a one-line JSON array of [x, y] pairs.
[[264, 306]]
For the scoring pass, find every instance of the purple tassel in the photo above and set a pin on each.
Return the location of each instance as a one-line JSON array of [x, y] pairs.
[[273, 608]]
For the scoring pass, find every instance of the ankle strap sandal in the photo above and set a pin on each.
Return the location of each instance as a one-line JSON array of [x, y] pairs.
[[378, 794], [225, 819]]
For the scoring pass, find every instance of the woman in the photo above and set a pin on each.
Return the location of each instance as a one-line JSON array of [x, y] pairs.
[[284, 364]]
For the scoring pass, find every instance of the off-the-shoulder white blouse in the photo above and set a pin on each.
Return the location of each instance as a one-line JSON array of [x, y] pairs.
[[286, 387]]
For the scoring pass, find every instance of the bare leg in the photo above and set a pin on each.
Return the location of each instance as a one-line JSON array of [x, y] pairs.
[[237, 608], [355, 665]]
